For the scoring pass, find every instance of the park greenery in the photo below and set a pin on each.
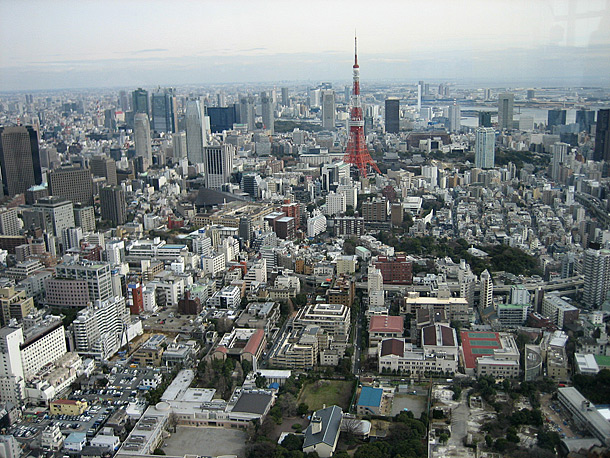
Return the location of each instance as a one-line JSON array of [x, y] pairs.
[[596, 388], [500, 257]]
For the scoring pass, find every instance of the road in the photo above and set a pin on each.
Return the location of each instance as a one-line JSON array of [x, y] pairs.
[[358, 341]]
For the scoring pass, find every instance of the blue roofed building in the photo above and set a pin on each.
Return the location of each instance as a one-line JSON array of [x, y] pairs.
[[369, 402], [322, 434]]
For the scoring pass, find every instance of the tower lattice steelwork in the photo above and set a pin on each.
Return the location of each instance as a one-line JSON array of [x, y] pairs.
[[356, 152]]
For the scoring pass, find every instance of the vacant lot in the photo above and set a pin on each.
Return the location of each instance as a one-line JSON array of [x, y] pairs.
[[189, 440], [415, 404], [329, 392]]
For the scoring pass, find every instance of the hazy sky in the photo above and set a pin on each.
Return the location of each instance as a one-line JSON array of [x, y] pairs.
[[68, 44]]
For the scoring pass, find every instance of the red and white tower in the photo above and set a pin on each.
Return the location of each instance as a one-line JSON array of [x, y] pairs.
[[356, 152]]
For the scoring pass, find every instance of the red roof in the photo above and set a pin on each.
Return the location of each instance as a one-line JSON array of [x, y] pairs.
[[485, 342], [254, 342], [65, 402], [392, 347], [430, 336], [384, 323]]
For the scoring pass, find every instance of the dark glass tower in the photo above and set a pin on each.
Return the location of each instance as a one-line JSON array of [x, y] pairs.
[[164, 116], [392, 115], [140, 101], [602, 136], [19, 159]]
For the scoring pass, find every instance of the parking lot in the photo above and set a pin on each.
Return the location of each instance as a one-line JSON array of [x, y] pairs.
[[190, 440]]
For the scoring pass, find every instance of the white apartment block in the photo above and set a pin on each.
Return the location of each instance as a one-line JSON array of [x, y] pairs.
[[335, 204], [98, 329], [334, 319], [228, 297], [316, 225], [213, 264]]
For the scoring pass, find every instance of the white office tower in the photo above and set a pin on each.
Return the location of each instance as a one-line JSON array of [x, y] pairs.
[[71, 237], [506, 102], [559, 153], [351, 194], [202, 244], [526, 123], [267, 109], [570, 195], [455, 117], [375, 279], [115, 252], [142, 137], [468, 283], [179, 145], [596, 266], [328, 109], [12, 380], [218, 165], [335, 204], [430, 172], [316, 224], [98, 329], [484, 148], [246, 111], [487, 291], [420, 90], [196, 139]]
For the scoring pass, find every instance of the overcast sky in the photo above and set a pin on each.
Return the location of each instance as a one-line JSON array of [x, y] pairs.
[[70, 44]]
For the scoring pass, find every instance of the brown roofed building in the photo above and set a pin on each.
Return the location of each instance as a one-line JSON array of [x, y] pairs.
[[385, 327]]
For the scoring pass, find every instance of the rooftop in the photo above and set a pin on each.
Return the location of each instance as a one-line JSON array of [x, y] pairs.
[[384, 323], [370, 396]]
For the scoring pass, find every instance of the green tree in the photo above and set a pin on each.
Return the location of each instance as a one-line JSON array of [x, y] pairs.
[[302, 409]]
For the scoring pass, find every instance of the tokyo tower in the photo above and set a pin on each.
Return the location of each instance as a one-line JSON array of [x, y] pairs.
[[356, 152]]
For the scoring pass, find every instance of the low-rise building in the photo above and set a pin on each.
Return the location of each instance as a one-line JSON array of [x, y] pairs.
[[67, 407], [243, 344], [150, 353], [385, 327], [490, 353], [586, 364], [369, 401], [584, 414], [455, 308], [322, 434]]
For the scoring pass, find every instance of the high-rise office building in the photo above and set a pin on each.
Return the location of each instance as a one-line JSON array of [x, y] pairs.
[[113, 205], [484, 148], [19, 159], [72, 183], [123, 101], [455, 117], [222, 118], [250, 183], [602, 137], [392, 115], [559, 152], [585, 119], [487, 291], [246, 111], [328, 109], [218, 164], [84, 217], [12, 380], [196, 139], [267, 109], [484, 118], [140, 101], [103, 166], [556, 118], [142, 138], [9, 222], [285, 99], [506, 102], [164, 112], [596, 267], [179, 145], [52, 214]]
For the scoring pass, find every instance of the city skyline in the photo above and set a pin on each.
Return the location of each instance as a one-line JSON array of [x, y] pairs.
[[154, 43]]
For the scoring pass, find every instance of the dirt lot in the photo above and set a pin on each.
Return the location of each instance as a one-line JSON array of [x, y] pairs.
[[557, 419], [416, 404]]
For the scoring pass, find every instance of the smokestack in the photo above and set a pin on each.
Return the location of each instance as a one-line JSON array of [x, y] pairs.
[[316, 424]]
